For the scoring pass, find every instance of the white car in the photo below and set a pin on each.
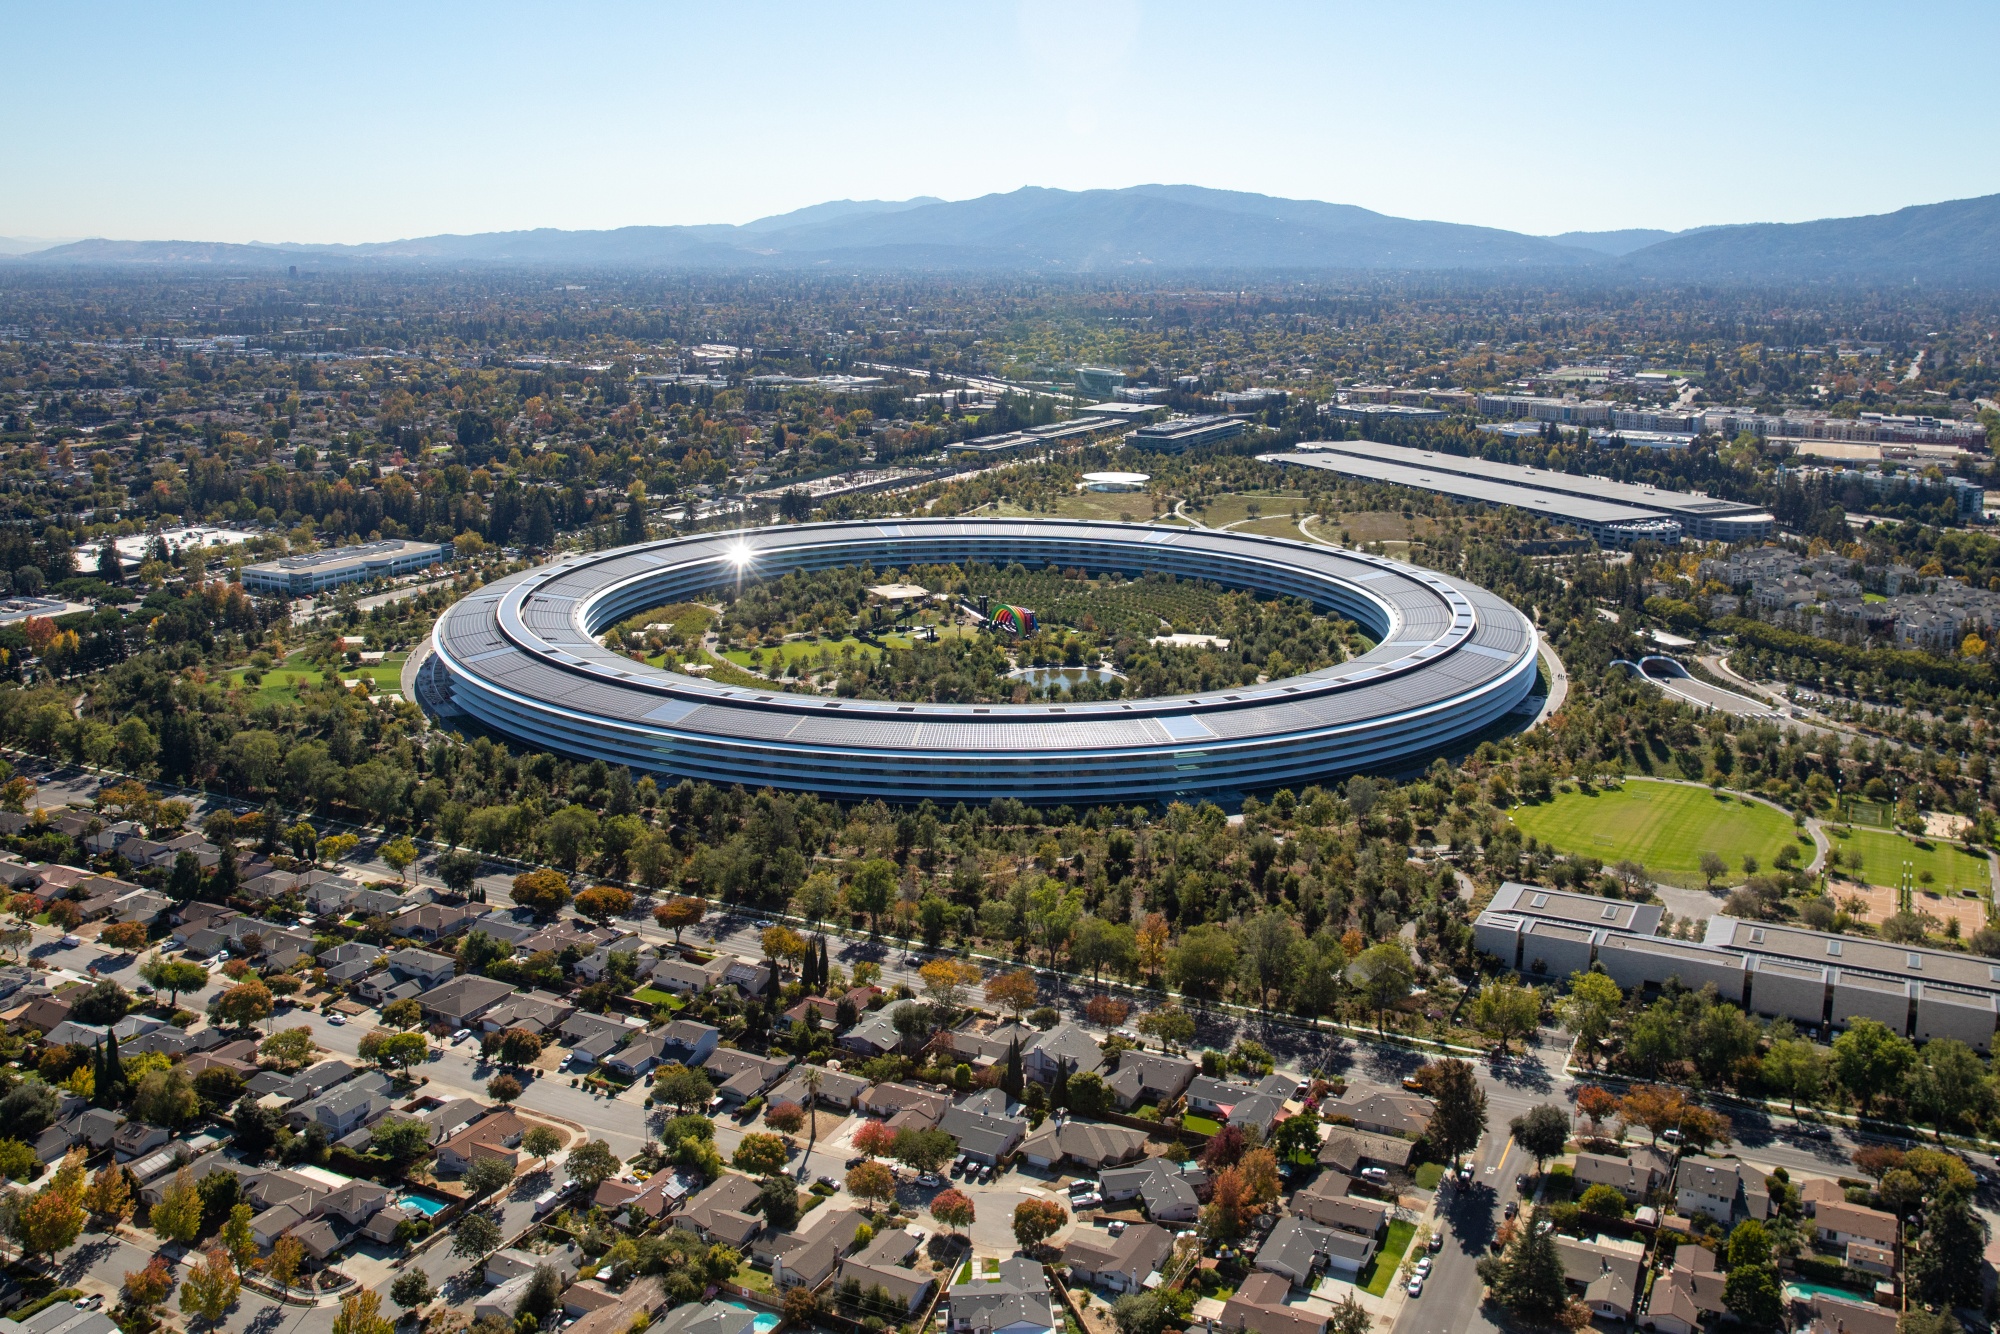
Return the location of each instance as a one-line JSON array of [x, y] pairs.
[[70, 942], [1424, 1267], [1417, 1286], [336, 1019], [460, 1036]]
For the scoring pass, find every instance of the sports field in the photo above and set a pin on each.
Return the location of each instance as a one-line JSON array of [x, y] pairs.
[[1665, 827], [1935, 865]]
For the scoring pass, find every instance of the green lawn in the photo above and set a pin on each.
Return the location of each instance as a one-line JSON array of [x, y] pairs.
[[1428, 1175], [284, 683], [1951, 867], [654, 996], [806, 650], [1201, 1125], [1663, 826], [1389, 1258]]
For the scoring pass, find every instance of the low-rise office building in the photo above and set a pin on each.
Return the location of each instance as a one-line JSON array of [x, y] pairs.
[[302, 576]]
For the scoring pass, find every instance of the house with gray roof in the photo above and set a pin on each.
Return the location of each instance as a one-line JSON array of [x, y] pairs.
[[688, 1042], [1150, 1077], [983, 1127], [463, 999], [1301, 1251], [1168, 1190], [1015, 1300], [1122, 1263], [740, 1075], [1327, 1201], [876, 1034], [885, 1263], [1088, 1144], [1065, 1044], [592, 1037]]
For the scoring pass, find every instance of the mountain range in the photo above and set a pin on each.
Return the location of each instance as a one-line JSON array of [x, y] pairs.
[[1164, 229]]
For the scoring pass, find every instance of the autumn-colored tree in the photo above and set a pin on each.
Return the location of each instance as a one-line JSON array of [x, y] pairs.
[[601, 903], [1596, 1104], [781, 944], [211, 1287], [871, 1181], [1015, 991], [177, 1217], [124, 935], [1654, 1107], [287, 1254], [242, 1005], [1223, 1217], [361, 1313], [873, 1137], [1702, 1128], [148, 1287], [678, 914], [788, 1117], [1106, 1011], [237, 1238], [953, 1209], [519, 1047], [110, 1194], [1150, 945], [1035, 1221], [945, 981], [1260, 1176], [760, 1155], [503, 1088], [49, 1222], [542, 891]]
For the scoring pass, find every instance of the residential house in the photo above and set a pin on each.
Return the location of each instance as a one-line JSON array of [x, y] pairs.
[[1686, 1294], [1327, 1201], [136, 1139], [1259, 1307], [721, 1213], [1088, 1144], [535, 1012], [422, 966], [688, 1042], [1724, 1189], [808, 1255], [1839, 1223], [514, 1262], [983, 1125], [1301, 1251], [1215, 1098], [430, 922], [876, 1034], [1122, 1263], [346, 1107], [1015, 1300], [837, 1088], [1260, 1110], [1147, 1077], [592, 1037], [512, 925], [1815, 1191], [1065, 1045], [462, 1000], [1606, 1274], [1831, 1315], [646, 1201], [885, 1263], [495, 1135], [1347, 1150], [740, 1075], [1637, 1176], [93, 1129], [1168, 1191], [904, 1105], [639, 1057], [1402, 1114]]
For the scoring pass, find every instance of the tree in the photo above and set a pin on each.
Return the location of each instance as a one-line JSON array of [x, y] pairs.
[[403, 1140], [1751, 1294], [542, 1142], [361, 1313], [1939, 1267], [177, 1217], [1296, 1139], [166, 1098], [1723, 1040], [1796, 1068], [398, 1050], [124, 935], [476, 1237], [211, 1287], [1542, 1131], [236, 1237], [873, 889], [1014, 992], [110, 1194], [1203, 962], [49, 1222], [760, 1155], [1035, 1221], [1604, 1201], [1870, 1060], [1173, 1026], [1712, 866], [518, 1047], [241, 1005], [801, 1306], [399, 852], [778, 1201], [1459, 1115], [591, 1164], [1506, 1011], [405, 1014], [412, 1288], [503, 1088], [1596, 1104], [953, 1209], [871, 1180], [1947, 1084], [459, 870], [1384, 975], [290, 1049], [873, 1138], [543, 891], [172, 976], [924, 1150], [680, 1087], [781, 945], [946, 981], [1589, 1010], [287, 1254], [601, 903], [677, 914], [105, 1003], [487, 1175], [147, 1288], [787, 1117], [1702, 1128], [1350, 1317], [1527, 1278], [1656, 1108]]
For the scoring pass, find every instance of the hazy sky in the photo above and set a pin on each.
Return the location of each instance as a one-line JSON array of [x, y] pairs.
[[361, 121]]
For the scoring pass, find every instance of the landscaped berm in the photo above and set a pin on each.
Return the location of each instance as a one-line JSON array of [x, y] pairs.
[[1665, 827]]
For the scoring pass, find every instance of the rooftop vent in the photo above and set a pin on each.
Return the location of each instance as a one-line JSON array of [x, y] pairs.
[[1539, 901], [1833, 948]]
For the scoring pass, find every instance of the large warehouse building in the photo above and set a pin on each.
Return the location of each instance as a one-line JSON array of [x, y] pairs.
[[523, 657], [1813, 978], [1572, 499]]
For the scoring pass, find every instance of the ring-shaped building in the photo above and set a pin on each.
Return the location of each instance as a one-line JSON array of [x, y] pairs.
[[523, 658]]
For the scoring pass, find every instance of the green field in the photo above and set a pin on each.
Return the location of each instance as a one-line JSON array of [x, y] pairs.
[[1663, 826], [282, 684], [1200, 1125], [1951, 867], [1388, 1259], [804, 650]]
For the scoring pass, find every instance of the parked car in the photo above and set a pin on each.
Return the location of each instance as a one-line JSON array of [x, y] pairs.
[[1116, 1227], [337, 1020], [1090, 1201], [1424, 1266], [1513, 1208], [855, 1161], [1437, 1242], [828, 1182], [1465, 1175], [460, 1036], [985, 1173], [929, 1179], [1417, 1286], [70, 942], [1375, 1175]]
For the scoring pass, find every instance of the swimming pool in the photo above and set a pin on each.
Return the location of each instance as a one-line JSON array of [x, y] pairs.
[[423, 1204], [1804, 1292], [762, 1321]]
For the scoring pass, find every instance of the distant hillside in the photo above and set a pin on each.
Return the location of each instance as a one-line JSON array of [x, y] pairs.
[[1166, 228], [1955, 244]]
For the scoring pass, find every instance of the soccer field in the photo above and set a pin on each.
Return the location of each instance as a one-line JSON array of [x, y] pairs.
[[1949, 867], [1663, 826]]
